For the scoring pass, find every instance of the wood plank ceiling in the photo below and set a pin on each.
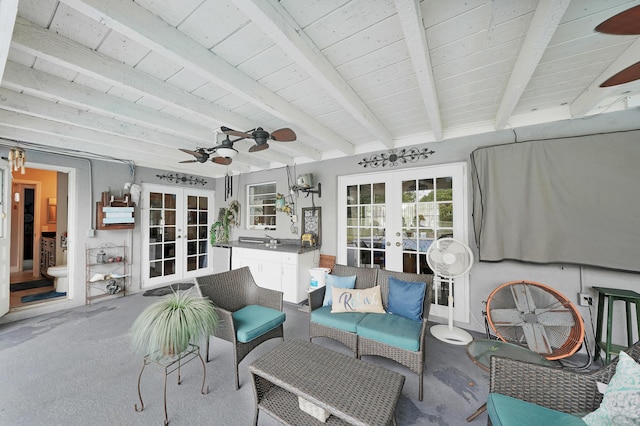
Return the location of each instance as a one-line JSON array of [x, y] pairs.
[[137, 80]]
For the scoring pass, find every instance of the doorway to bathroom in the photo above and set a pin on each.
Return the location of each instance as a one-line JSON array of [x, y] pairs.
[[38, 202]]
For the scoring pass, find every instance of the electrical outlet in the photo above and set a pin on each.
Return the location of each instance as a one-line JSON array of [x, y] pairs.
[[584, 299]]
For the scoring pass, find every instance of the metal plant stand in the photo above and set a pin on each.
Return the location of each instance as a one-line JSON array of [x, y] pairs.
[[171, 364]]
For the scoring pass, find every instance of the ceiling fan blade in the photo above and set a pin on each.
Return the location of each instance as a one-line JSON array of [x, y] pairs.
[[625, 76], [624, 23], [194, 153], [225, 161], [283, 135], [189, 161], [259, 147], [228, 131]]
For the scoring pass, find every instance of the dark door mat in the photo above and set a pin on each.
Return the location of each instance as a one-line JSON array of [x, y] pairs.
[[163, 291], [43, 296], [31, 284]]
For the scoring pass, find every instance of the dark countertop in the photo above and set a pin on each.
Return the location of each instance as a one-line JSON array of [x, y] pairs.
[[286, 246]]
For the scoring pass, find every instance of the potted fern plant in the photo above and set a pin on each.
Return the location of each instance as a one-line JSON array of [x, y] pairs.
[[167, 326]]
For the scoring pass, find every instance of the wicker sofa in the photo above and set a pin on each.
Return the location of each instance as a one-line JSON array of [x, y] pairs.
[[361, 346]]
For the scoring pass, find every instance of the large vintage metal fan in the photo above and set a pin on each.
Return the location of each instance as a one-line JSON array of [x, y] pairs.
[[449, 259], [537, 316]]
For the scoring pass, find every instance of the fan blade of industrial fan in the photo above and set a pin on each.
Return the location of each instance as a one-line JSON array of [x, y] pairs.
[[506, 317], [624, 23], [228, 131], [259, 147], [283, 135], [537, 339], [225, 161], [561, 317], [522, 297], [625, 76]]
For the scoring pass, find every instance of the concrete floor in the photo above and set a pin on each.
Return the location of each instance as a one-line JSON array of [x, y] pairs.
[[77, 367]]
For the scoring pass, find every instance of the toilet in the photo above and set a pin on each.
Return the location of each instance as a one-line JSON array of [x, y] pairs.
[[60, 274]]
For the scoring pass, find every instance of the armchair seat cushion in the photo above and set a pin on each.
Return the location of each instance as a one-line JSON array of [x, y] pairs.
[[346, 321], [506, 411], [253, 321], [392, 330]]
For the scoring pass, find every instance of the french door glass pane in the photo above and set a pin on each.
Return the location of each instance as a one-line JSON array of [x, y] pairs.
[[197, 236], [366, 225]]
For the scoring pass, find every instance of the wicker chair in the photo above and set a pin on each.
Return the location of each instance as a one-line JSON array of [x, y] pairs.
[[231, 291], [555, 388]]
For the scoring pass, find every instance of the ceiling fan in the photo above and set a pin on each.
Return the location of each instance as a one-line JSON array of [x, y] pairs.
[[225, 150], [624, 23], [261, 136]]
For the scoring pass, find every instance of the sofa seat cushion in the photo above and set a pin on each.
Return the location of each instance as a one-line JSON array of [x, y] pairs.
[[392, 330], [253, 321], [346, 321], [506, 411]]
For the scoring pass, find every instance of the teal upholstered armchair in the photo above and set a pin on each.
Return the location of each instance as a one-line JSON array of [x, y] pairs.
[[248, 314]]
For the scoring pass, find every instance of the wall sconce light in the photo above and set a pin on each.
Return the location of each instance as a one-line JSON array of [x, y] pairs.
[[17, 158]]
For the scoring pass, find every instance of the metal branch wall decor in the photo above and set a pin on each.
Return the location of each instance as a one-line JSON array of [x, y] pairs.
[[395, 157], [183, 179]]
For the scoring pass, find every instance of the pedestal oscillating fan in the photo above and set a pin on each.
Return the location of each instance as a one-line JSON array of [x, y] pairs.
[[449, 258]]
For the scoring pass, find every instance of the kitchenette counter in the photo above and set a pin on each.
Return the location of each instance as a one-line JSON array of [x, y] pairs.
[[284, 246]]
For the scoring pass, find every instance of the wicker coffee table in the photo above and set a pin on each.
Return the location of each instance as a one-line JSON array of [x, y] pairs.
[[351, 390]]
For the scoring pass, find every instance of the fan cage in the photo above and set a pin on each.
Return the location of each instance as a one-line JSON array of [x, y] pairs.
[[564, 340]]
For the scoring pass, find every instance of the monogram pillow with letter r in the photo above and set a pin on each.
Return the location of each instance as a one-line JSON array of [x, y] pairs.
[[357, 300]]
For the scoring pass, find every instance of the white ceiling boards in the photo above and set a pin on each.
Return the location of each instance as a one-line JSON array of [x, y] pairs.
[[141, 79]]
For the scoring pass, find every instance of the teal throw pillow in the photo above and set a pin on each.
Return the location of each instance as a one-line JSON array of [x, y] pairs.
[[406, 298], [621, 401], [339, 282]]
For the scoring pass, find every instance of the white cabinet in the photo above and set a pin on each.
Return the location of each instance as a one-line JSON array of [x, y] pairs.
[[282, 271]]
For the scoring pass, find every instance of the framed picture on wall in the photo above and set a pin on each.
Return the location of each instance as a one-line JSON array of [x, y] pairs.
[[311, 222]]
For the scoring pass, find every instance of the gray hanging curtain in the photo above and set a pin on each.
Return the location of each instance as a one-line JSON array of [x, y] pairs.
[[572, 200]]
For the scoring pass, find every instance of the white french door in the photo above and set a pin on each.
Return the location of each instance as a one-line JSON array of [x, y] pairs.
[[176, 224], [5, 237], [389, 219]]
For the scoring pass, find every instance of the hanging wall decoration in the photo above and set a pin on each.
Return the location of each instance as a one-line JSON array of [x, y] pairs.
[[395, 157], [183, 179]]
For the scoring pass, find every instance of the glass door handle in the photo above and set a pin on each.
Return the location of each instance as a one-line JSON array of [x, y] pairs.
[[398, 244]]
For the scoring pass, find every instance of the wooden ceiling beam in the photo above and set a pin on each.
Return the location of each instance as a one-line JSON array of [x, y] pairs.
[[594, 94], [8, 13], [545, 21], [415, 36]]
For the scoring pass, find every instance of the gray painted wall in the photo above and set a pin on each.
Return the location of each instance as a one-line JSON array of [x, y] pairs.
[[97, 176], [484, 277]]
